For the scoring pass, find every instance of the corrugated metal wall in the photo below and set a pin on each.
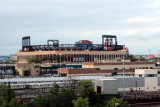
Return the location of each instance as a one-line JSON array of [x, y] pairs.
[[130, 82]]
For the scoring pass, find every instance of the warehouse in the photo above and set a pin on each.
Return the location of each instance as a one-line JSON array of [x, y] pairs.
[[145, 80]]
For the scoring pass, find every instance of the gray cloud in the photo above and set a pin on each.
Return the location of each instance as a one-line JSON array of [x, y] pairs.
[[70, 20]]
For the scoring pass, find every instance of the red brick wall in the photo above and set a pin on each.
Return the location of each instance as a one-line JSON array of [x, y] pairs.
[[89, 71]]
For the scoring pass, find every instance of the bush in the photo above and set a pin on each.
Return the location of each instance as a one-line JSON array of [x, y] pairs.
[[80, 102], [117, 102], [27, 73], [34, 60]]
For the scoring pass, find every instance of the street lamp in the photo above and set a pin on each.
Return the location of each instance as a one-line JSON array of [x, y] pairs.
[[60, 62], [123, 76]]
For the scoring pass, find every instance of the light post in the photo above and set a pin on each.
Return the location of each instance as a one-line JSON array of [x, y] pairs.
[[123, 76], [60, 63], [136, 89]]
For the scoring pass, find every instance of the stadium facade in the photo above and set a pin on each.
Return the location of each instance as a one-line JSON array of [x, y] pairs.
[[81, 51]]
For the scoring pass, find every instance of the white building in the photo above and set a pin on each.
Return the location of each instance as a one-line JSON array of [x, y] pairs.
[[144, 80]]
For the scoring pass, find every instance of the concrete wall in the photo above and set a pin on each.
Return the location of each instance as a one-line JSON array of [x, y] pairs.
[[148, 83], [151, 84], [130, 83], [150, 78], [108, 86], [21, 67], [158, 81], [146, 71]]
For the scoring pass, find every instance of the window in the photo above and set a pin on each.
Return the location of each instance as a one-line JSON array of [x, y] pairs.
[[115, 68], [151, 75]]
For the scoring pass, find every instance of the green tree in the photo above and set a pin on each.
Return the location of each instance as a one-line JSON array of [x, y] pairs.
[[15, 72], [117, 102], [52, 100], [85, 83], [27, 73], [91, 94], [39, 101], [59, 58], [80, 102], [34, 60], [66, 97], [55, 89], [71, 84], [2, 92], [14, 103], [114, 73], [142, 58], [87, 91], [7, 97], [9, 93], [133, 59]]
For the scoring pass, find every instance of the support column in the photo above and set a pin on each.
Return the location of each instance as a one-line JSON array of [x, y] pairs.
[[66, 57]]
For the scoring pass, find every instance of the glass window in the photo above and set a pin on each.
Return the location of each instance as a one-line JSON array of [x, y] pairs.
[[151, 75]]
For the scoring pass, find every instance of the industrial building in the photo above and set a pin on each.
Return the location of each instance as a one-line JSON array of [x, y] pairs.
[[145, 80]]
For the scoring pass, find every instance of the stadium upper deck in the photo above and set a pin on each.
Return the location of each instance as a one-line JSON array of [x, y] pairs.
[[109, 43]]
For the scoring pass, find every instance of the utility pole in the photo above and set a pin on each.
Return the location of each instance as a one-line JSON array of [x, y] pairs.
[[60, 63], [123, 75], [136, 90]]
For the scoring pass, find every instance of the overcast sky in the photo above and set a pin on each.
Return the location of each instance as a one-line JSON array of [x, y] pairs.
[[135, 22]]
